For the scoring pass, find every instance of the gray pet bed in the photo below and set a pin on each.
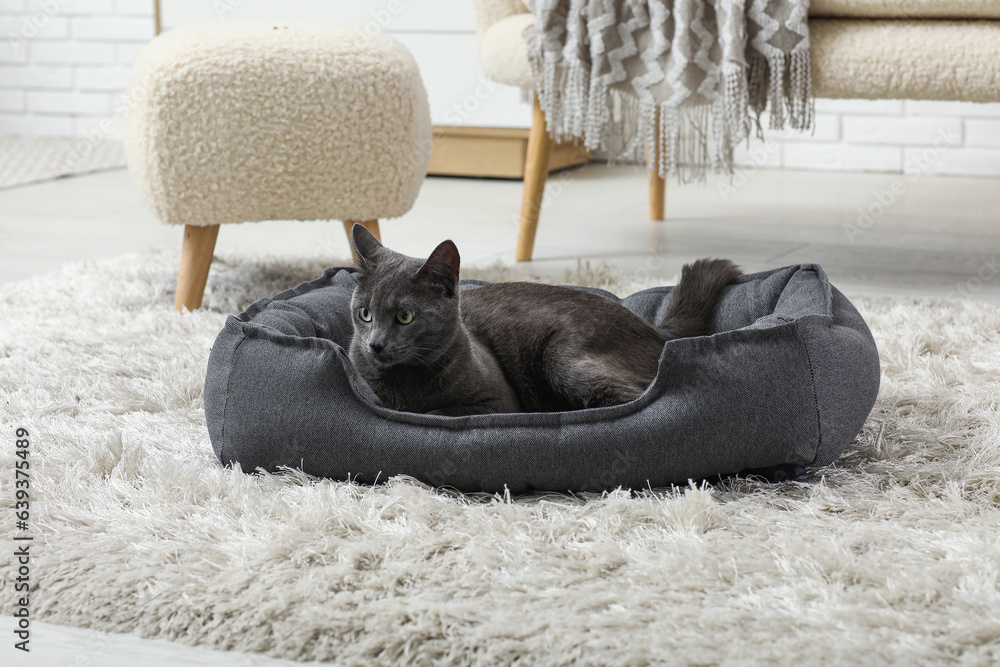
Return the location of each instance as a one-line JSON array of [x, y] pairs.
[[786, 380]]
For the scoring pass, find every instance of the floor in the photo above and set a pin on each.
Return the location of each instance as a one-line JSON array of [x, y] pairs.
[[64, 646], [929, 236], [925, 236]]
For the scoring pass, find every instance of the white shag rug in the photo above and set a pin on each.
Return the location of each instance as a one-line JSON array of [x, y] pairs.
[[26, 160], [892, 555]]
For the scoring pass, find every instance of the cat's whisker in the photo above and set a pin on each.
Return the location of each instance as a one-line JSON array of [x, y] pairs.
[[436, 361]]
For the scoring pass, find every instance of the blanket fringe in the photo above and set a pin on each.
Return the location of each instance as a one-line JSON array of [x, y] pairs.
[[788, 96], [686, 140]]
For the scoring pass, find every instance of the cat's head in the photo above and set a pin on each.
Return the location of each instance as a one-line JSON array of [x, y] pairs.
[[405, 310]]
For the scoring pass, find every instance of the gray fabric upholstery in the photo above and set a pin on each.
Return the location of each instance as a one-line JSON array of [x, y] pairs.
[[788, 377]]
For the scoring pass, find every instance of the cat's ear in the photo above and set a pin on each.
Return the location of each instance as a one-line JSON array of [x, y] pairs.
[[442, 267], [365, 245]]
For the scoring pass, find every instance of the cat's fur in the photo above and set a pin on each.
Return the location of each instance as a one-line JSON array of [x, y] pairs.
[[508, 347]]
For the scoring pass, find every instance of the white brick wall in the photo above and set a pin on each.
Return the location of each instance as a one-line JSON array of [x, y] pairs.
[[954, 138], [50, 52], [982, 132], [111, 28], [13, 100], [63, 63]]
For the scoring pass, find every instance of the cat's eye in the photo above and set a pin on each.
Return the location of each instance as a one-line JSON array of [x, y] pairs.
[[365, 315], [405, 316]]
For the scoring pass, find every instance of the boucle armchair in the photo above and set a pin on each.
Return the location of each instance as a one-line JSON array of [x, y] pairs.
[[861, 49]]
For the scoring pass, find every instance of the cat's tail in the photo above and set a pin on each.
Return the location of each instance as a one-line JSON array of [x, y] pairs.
[[693, 300]]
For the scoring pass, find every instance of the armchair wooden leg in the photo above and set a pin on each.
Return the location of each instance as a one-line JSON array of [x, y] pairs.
[[657, 196], [370, 225], [657, 184], [196, 259], [536, 170]]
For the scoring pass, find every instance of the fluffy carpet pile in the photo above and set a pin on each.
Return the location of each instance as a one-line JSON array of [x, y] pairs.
[[33, 159], [890, 555]]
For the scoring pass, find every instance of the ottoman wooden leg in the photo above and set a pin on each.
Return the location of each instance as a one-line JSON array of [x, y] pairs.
[[536, 171], [196, 259], [370, 225]]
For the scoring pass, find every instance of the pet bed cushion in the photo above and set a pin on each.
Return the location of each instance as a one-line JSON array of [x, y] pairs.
[[787, 379]]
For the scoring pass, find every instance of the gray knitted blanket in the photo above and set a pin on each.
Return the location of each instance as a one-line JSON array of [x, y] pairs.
[[676, 79]]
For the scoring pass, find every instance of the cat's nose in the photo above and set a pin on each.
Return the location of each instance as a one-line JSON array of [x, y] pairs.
[[376, 345]]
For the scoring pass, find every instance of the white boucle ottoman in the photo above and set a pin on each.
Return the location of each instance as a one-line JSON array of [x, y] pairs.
[[244, 122]]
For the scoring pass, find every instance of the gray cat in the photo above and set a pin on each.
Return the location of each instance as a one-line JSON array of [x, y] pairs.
[[507, 347]]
